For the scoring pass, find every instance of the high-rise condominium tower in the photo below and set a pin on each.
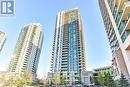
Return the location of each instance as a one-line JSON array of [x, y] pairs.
[[68, 56], [116, 15], [27, 50], [2, 39]]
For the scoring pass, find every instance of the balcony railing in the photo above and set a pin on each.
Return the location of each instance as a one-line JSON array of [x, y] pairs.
[[126, 10], [121, 3], [125, 35], [126, 4], [122, 26], [127, 27]]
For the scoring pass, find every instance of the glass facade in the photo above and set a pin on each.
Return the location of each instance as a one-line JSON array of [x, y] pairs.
[[68, 49], [27, 50], [115, 14], [121, 22], [2, 39]]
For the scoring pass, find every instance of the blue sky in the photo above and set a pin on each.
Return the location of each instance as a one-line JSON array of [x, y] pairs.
[[97, 47]]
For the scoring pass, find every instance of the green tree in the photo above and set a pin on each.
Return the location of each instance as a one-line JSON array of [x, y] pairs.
[[104, 80], [51, 83], [101, 79], [25, 78], [9, 82], [108, 80], [95, 80], [2, 79], [56, 79], [91, 79], [111, 82], [18, 80], [63, 81], [38, 81], [123, 82]]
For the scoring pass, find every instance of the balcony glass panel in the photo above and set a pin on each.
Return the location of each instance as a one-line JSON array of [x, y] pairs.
[[122, 26], [118, 17], [125, 35], [115, 10]]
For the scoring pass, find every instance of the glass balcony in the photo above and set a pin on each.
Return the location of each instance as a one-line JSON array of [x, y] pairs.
[[126, 4], [114, 11], [122, 26], [118, 18], [121, 4], [126, 10], [125, 35], [128, 22]]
